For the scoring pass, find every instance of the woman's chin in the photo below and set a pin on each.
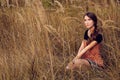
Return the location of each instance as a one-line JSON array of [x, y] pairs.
[[88, 27]]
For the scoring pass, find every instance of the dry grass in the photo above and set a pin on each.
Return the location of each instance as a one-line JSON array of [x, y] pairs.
[[35, 45]]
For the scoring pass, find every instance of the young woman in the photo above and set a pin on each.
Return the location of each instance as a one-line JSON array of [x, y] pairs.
[[89, 51]]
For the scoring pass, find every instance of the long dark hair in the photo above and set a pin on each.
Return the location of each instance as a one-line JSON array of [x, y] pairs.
[[94, 18]]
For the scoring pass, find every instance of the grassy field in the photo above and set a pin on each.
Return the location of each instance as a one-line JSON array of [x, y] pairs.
[[39, 37]]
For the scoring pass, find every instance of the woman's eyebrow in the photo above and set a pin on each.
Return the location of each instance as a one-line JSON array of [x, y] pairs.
[[87, 19]]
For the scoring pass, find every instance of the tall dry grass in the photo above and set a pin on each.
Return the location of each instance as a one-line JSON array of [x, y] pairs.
[[37, 45]]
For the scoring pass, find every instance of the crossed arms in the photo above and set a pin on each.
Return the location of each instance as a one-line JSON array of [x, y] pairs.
[[84, 47]]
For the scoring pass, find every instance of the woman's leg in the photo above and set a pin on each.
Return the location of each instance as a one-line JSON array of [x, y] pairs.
[[78, 63]]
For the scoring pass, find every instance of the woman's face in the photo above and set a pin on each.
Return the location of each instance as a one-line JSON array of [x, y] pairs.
[[89, 23]]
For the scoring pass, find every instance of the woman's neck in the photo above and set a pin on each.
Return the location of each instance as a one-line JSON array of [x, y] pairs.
[[92, 29]]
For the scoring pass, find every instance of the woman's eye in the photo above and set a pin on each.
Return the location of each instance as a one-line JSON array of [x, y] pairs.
[[87, 19]]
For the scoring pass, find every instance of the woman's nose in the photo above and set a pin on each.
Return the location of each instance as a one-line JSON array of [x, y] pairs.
[[86, 22]]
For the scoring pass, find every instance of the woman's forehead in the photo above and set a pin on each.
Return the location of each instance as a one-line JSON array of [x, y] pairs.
[[86, 17]]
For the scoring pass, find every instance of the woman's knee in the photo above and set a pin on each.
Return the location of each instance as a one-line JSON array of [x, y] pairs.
[[78, 63]]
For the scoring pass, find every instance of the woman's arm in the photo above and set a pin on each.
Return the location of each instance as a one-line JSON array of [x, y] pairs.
[[92, 44], [83, 45]]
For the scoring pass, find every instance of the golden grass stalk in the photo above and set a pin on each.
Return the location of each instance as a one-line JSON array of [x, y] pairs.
[[61, 8]]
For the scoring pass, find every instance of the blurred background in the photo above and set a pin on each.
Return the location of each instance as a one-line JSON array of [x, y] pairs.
[[39, 37]]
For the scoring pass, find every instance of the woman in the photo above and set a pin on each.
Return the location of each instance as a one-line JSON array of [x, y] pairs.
[[89, 53]]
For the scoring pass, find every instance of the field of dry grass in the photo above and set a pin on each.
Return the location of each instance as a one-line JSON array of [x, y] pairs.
[[37, 42]]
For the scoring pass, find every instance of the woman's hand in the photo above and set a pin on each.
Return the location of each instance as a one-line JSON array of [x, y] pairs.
[[78, 56], [75, 58], [71, 65]]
